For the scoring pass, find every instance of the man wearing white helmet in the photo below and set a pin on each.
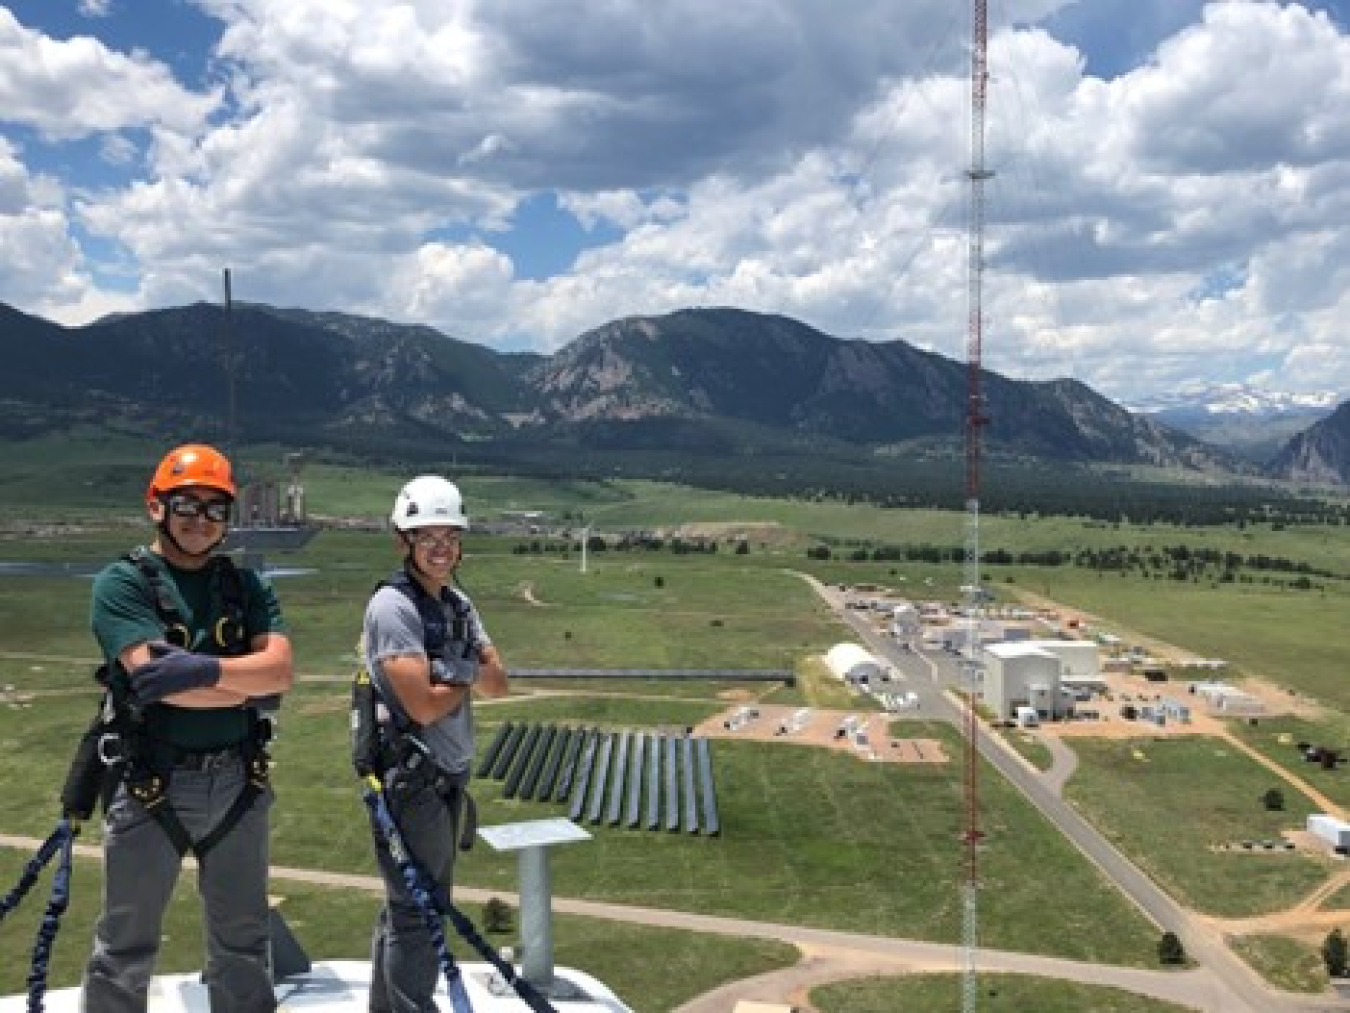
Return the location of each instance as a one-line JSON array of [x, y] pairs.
[[427, 653]]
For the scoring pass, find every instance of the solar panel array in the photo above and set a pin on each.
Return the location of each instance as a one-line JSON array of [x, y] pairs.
[[604, 775]]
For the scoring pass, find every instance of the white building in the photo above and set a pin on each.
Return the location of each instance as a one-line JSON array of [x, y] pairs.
[[1040, 674], [1335, 832], [1021, 674], [905, 621], [852, 664], [1224, 699], [1080, 659]]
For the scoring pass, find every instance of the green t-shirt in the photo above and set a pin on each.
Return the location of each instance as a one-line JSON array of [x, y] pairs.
[[123, 614]]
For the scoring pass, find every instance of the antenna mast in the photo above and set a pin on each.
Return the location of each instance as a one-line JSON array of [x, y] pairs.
[[229, 367], [975, 419]]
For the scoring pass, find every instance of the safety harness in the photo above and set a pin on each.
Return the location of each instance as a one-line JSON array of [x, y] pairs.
[[119, 736], [377, 746]]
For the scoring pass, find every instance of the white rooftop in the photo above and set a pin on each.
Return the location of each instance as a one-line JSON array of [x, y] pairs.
[[343, 986]]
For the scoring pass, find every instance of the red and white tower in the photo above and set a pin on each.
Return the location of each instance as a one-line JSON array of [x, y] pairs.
[[978, 174]]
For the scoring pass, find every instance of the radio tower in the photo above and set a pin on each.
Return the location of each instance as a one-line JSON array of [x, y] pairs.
[[978, 174]]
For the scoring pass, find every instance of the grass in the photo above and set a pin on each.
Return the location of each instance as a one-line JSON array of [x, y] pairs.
[[1286, 963], [810, 837], [1169, 812], [1338, 900], [1014, 993], [1276, 738], [1030, 748]]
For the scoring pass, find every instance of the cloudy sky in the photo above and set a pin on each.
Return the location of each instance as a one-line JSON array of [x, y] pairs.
[[1170, 205]]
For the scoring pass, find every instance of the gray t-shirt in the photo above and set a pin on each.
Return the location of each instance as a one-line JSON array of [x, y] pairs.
[[393, 627]]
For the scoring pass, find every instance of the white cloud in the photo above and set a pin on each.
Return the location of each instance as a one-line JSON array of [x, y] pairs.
[[74, 88], [1177, 220]]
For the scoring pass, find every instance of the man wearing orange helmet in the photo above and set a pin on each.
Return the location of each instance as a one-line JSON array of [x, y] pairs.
[[191, 644]]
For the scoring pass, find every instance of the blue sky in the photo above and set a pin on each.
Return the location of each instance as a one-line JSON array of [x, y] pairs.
[[1171, 204]]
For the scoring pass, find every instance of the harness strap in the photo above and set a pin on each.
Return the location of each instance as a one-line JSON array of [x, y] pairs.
[[227, 595], [436, 903], [51, 917], [255, 769], [437, 633], [165, 604], [418, 884], [33, 869], [468, 820], [150, 787], [59, 841]]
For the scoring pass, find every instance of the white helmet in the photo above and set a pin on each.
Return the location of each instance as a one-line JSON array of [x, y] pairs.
[[428, 501]]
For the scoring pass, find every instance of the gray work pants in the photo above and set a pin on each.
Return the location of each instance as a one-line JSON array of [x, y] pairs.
[[141, 867], [404, 963]]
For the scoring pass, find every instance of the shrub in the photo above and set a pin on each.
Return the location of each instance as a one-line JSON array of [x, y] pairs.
[[497, 916], [1170, 950]]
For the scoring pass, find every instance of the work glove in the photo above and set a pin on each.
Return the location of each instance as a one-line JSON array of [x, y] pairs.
[[454, 671], [172, 670]]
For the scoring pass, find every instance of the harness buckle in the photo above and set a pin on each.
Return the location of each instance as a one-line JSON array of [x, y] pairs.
[[110, 749]]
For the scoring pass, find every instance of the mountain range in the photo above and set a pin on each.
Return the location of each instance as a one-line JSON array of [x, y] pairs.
[[1254, 422], [705, 389]]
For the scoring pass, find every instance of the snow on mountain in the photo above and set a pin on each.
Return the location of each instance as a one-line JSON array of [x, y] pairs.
[[1236, 399]]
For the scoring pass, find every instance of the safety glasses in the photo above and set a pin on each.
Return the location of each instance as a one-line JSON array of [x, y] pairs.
[[215, 510], [426, 539]]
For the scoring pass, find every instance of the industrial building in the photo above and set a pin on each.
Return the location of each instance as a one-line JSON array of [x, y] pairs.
[[905, 620], [1040, 674]]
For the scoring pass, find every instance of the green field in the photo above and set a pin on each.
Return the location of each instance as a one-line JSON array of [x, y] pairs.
[[1013, 993], [810, 838], [1174, 809]]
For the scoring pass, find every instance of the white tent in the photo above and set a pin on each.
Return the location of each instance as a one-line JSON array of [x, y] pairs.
[[853, 664]]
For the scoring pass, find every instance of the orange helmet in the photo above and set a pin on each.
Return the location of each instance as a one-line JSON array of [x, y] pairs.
[[193, 464]]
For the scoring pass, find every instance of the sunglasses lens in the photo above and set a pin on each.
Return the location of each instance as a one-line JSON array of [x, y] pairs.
[[216, 510]]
